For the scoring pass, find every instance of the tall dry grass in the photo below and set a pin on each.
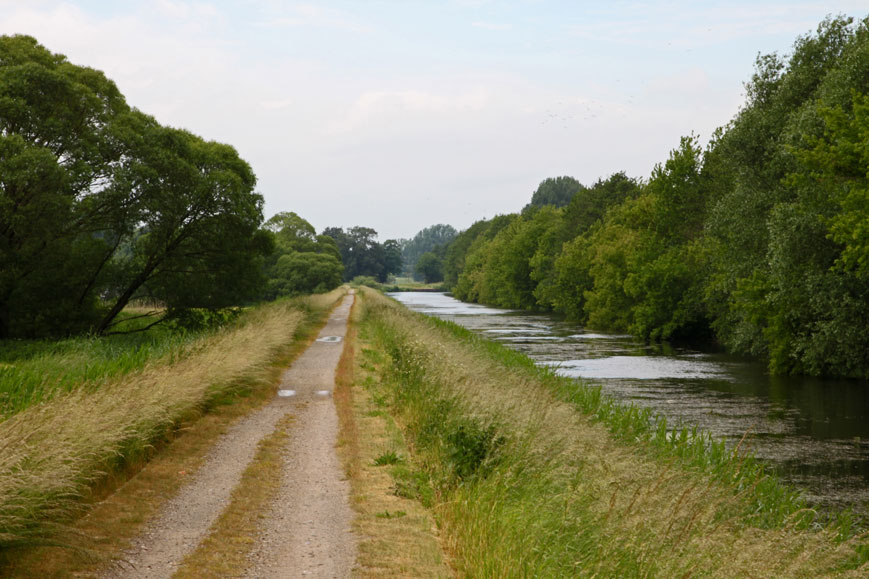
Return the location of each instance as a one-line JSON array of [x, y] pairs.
[[527, 485], [52, 452]]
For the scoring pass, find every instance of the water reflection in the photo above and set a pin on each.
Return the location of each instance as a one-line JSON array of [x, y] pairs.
[[814, 432]]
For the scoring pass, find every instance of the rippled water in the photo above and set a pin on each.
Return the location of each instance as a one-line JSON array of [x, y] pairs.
[[814, 432]]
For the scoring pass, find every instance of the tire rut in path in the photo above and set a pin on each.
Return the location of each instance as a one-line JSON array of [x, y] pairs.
[[307, 531]]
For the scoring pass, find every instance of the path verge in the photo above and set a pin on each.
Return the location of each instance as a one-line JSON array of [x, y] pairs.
[[187, 518]]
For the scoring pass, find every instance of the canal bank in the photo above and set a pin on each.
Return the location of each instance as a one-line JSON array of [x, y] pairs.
[[530, 474], [813, 432]]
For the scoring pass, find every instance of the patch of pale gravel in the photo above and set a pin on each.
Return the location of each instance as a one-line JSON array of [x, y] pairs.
[[306, 533]]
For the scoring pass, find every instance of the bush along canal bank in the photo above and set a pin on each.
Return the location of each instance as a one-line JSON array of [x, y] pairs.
[[532, 474]]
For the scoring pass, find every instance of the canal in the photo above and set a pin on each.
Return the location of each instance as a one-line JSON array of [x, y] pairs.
[[813, 432]]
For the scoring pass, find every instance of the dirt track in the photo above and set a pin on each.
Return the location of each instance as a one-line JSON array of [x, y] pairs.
[[306, 533]]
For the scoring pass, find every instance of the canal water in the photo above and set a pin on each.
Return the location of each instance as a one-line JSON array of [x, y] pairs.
[[813, 432]]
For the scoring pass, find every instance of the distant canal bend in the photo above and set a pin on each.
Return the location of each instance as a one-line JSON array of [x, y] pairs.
[[813, 432]]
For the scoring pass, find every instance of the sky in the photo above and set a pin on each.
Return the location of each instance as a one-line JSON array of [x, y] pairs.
[[401, 114]]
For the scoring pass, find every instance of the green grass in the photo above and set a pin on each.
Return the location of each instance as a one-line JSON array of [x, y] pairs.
[[103, 406], [532, 474], [388, 457], [769, 502], [34, 371]]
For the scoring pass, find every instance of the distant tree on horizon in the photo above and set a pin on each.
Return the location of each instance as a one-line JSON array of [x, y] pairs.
[[555, 191], [362, 255], [426, 240]]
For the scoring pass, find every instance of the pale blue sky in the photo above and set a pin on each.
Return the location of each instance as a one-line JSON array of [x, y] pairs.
[[401, 114]]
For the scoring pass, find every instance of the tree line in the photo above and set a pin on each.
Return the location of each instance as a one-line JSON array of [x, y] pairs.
[[759, 242], [101, 206]]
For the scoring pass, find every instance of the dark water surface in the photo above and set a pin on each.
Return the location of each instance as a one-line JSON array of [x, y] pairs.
[[814, 432]]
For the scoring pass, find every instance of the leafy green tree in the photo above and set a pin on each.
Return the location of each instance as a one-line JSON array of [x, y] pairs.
[[614, 250], [58, 153], [457, 250], [470, 253], [362, 255], [815, 298], [424, 241], [304, 272], [392, 260], [478, 280], [100, 204], [586, 208], [555, 191], [302, 261], [645, 264], [430, 267], [753, 159], [498, 269], [522, 242], [572, 278], [762, 238], [292, 233], [836, 163], [199, 243]]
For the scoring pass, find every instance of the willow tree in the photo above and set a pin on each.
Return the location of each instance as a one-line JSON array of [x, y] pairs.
[[100, 204]]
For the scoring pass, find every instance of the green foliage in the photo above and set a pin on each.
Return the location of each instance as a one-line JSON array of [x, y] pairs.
[[556, 192], [622, 241], [292, 233], [198, 320], [471, 448], [500, 270], [457, 251], [362, 255], [666, 268], [302, 262], [752, 298], [198, 244], [388, 457], [432, 239], [760, 242], [430, 267], [99, 204], [835, 163], [365, 280], [572, 273], [392, 260]]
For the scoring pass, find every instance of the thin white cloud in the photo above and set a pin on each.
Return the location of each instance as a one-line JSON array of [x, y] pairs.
[[311, 16], [693, 25], [273, 105], [404, 107], [497, 26], [177, 9]]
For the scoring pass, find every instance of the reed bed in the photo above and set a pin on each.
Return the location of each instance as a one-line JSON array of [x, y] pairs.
[[52, 452], [529, 479]]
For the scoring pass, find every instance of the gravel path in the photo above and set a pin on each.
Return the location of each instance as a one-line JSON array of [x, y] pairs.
[[307, 531]]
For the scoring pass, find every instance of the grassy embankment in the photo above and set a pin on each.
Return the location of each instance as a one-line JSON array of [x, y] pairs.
[[530, 474], [83, 415], [397, 533]]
